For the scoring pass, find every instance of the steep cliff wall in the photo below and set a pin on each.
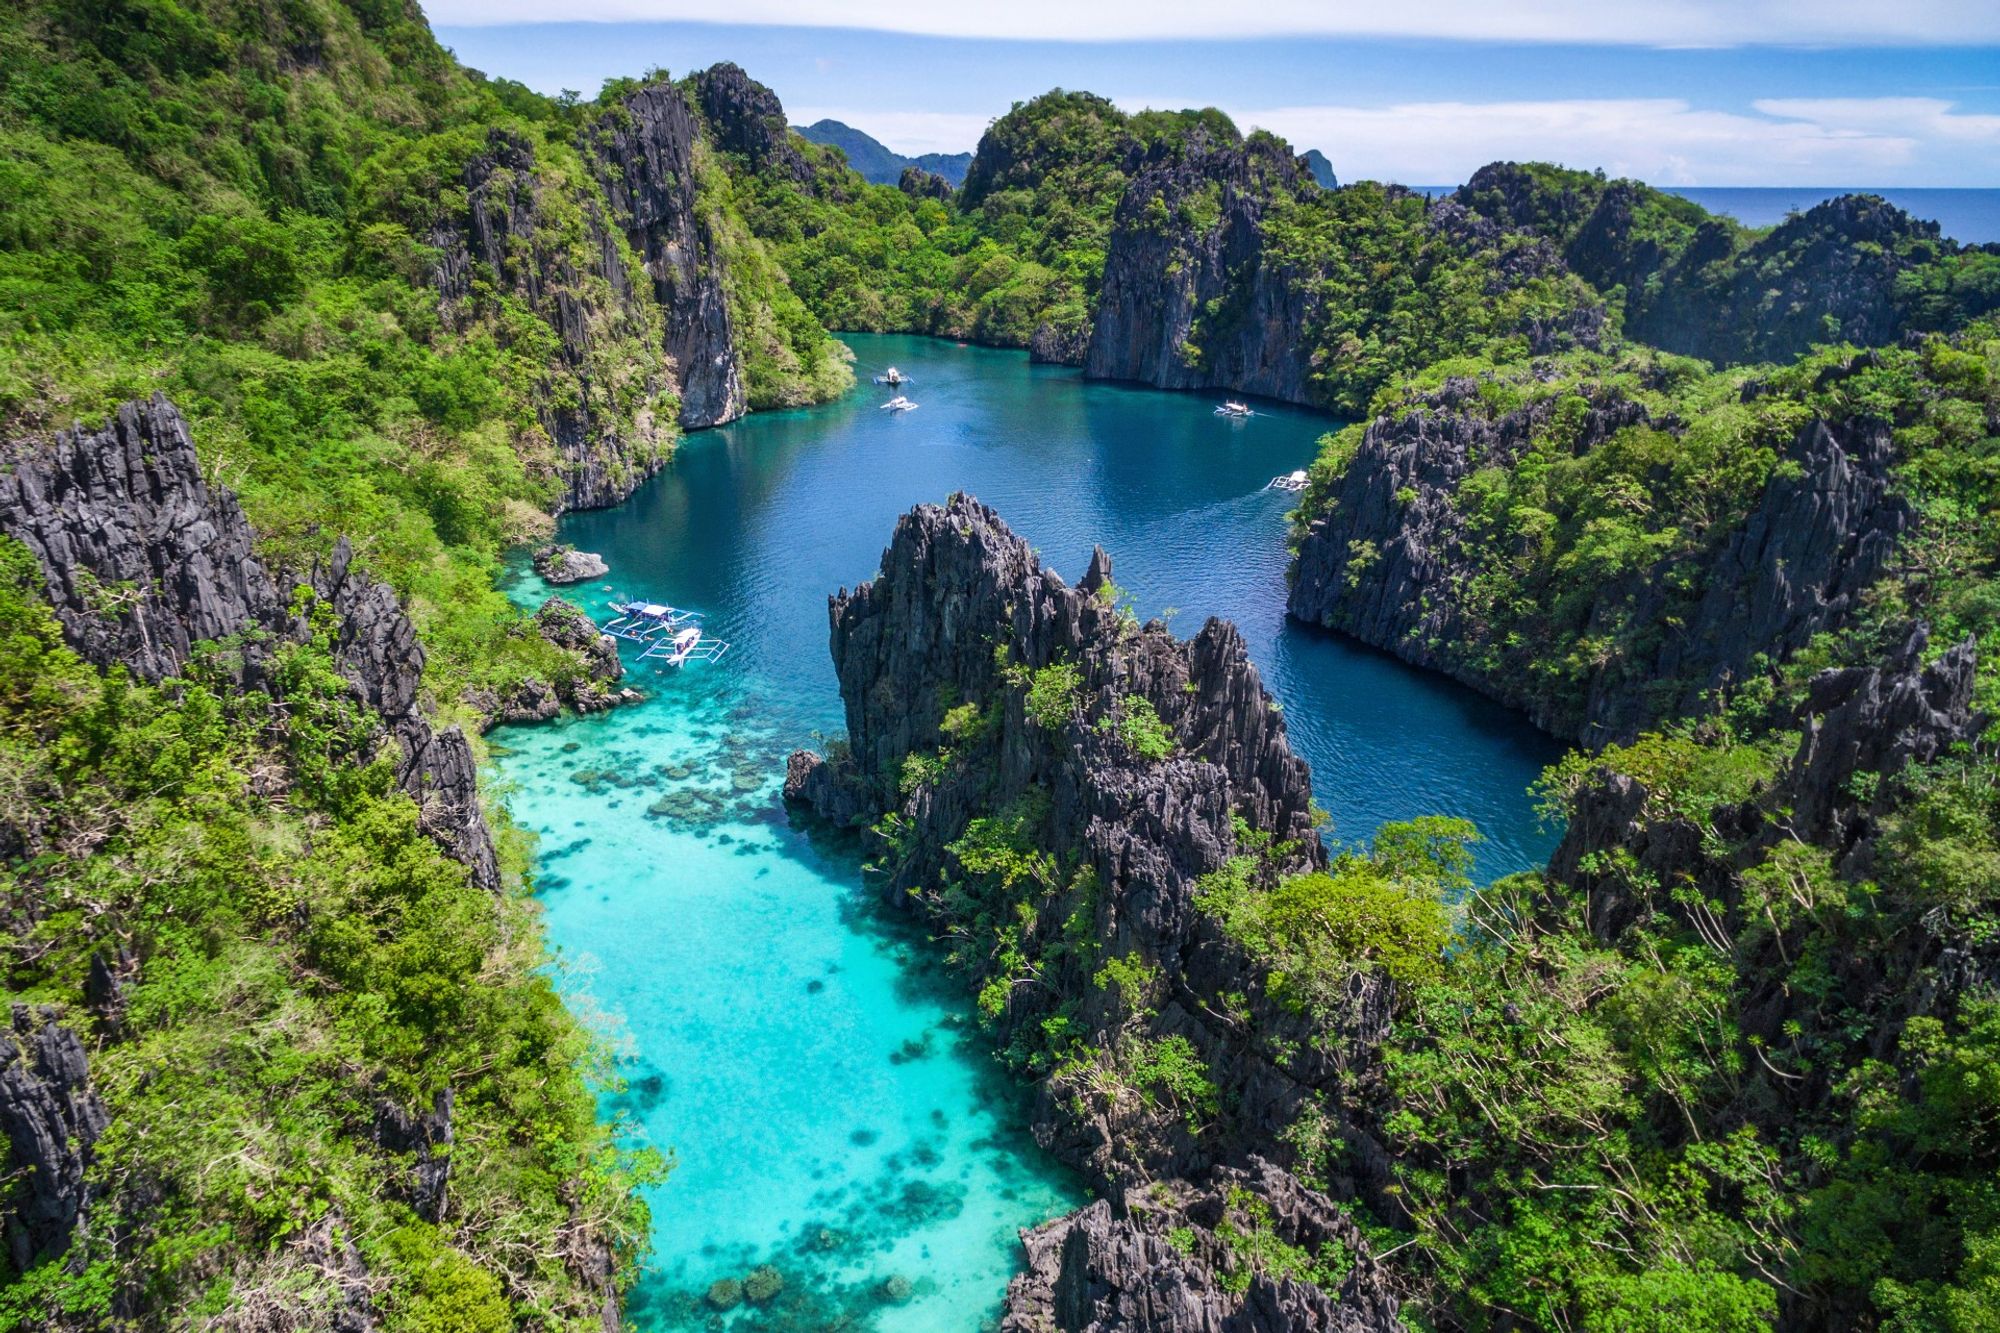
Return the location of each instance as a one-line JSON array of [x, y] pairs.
[[526, 232], [1395, 554], [143, 560], [1190, 299], [1051, 780], [644, 151]]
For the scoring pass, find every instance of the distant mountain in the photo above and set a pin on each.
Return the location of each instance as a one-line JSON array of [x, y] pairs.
[[883, 166], [1321, 169]]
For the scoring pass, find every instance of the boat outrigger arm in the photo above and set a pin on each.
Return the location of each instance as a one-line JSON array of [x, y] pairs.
[[642, 622], [687, 645]]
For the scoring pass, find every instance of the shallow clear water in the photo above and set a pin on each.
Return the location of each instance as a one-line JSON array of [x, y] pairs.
[[821, 1085]]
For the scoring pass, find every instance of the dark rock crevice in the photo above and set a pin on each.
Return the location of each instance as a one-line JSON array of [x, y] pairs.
[[52, 1119]]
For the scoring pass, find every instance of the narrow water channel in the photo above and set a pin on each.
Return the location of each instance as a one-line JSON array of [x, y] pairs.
[[821, 1086]]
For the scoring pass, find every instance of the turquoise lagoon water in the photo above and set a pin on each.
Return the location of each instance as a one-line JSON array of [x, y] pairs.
[[820, 1084]]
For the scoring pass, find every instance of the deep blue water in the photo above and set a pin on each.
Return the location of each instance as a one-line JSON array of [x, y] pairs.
[[823, 1089]]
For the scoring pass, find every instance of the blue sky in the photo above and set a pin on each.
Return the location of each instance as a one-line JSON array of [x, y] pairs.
[[1680, 92]]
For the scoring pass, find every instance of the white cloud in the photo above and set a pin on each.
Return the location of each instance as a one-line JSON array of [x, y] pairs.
[[911, 133], [1638, 22], [1666, 141]]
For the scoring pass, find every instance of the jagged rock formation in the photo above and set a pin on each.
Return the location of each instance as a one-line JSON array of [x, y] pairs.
[[566, 564], [964, 614], [426, 1137], [644, 151], [582, 287], [747, 118], [1161, 273], [1386, 556], [143, 559], [1104, 1270], [1704, 286], [52, 1119]]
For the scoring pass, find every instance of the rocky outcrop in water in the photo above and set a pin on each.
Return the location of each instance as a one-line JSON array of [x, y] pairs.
[[52, 1119], [644, 150], [142, 560], [566, 564], [1388, 553], [980, 686], [575, 277], [1189, 298]]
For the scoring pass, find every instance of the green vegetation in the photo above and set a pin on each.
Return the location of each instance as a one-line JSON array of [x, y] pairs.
[[1139, 726], [1584, 557], [1677, 1098], [1690, 281], [304, 958], [1253, 1246]]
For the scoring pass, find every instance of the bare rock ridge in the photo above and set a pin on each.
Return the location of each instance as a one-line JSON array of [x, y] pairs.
[[51, 1119], [746, 117], [942, 650], [582, 287], [1387, 556], [644, 155], [143, 560]]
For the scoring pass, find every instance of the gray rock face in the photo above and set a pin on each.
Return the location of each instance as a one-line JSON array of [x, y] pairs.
[[963, 613], [142, 560], [644, 151], [746, 117], [1387, 556], [566, 564], [426, 1137], [500, 235], [52, 1119], [1114, 1270], [1161, 274]]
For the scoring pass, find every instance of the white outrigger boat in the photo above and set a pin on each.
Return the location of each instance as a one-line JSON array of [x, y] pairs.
[[1290, 481], [899, 404], [687, 645], [1234, 409], [642, 622], [892, 377]]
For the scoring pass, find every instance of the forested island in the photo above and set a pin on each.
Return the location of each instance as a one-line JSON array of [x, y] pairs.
[[308, 326]]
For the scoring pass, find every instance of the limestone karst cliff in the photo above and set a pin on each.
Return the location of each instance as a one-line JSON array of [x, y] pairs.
[[144, 559], [1393, 546], [983, 692]]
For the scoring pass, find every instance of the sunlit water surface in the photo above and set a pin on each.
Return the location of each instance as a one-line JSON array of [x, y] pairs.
[[823, 1090]]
